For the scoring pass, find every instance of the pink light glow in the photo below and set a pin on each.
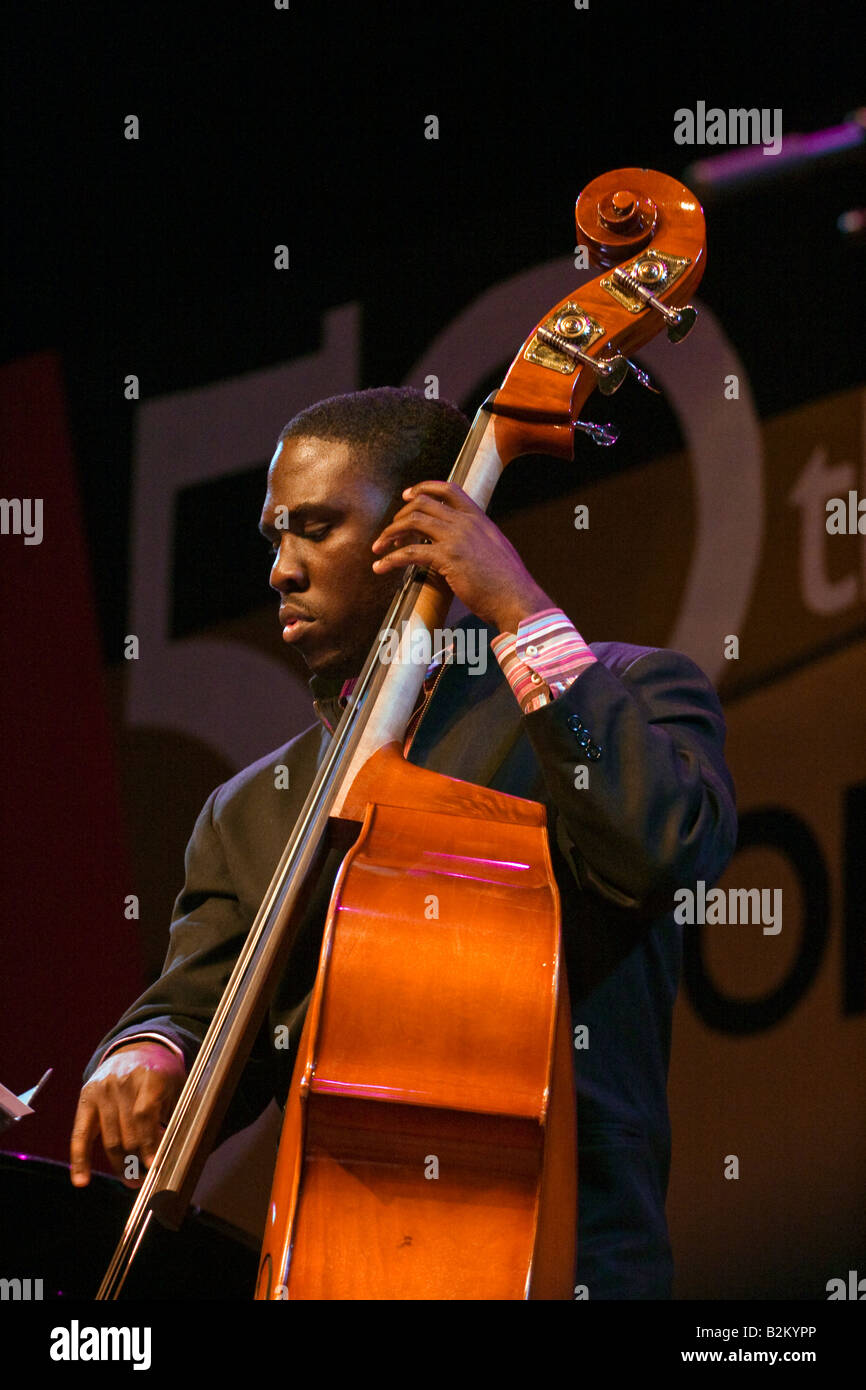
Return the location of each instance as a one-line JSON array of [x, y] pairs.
[[470, 859]]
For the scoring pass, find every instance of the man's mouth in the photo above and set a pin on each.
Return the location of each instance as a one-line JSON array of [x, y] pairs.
[[293, 623]]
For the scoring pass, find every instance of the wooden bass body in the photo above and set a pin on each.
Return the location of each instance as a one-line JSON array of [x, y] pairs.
[[429, 1144]]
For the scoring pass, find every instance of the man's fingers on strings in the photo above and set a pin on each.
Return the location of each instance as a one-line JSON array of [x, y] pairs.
[[413, 527], [409, 554], [448, 494]]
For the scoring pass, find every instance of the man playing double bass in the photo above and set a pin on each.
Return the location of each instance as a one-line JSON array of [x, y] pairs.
[[353, 497]]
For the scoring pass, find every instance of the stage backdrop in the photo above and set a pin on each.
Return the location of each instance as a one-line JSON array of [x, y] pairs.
[[212, 224], [718, 549]]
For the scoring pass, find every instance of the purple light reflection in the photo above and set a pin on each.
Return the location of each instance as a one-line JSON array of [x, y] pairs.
[[473, 878], [362, 1089], [470, 859]]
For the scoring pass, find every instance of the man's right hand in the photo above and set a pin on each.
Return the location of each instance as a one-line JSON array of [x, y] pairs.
[[129, 1099]]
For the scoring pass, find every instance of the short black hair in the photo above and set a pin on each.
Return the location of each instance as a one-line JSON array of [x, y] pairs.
[[405, 436]]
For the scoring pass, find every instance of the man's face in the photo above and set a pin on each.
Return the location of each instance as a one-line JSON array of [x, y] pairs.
[[322, 513]]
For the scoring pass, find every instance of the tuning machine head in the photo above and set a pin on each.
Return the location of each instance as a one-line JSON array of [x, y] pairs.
[[637, 281], [610, 372], [643, 377], [603, 435]]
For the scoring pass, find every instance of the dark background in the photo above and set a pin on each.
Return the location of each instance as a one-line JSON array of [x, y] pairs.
[[155, 257], [306, 127]]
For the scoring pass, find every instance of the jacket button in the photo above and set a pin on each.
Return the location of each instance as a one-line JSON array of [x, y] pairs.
[[574, 722]]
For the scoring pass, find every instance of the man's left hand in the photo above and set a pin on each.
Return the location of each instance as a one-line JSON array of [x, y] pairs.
[[443, 530]]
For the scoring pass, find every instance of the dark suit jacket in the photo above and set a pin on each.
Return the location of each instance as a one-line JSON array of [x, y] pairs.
[[658, 814]]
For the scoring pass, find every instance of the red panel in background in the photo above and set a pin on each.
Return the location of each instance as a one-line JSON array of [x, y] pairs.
[[70, 960]]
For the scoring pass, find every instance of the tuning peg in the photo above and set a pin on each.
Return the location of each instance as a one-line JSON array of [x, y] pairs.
[[680, 322], [599, 434], [643, 377], [611, 371]]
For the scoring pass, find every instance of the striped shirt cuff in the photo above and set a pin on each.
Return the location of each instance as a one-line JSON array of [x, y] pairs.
[[543, 658]]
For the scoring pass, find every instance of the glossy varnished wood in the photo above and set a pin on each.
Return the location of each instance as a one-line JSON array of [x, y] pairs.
[[429, 1041], [448, 1036], [538, 407]]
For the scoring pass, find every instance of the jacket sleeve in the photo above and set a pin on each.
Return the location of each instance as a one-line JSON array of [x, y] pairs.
[[654, 809], [208, 929]]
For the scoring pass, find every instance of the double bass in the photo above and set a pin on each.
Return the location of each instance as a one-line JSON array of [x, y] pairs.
[[429, 1145]]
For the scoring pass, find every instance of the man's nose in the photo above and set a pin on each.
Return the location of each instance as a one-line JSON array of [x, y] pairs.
[[288, 571]]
